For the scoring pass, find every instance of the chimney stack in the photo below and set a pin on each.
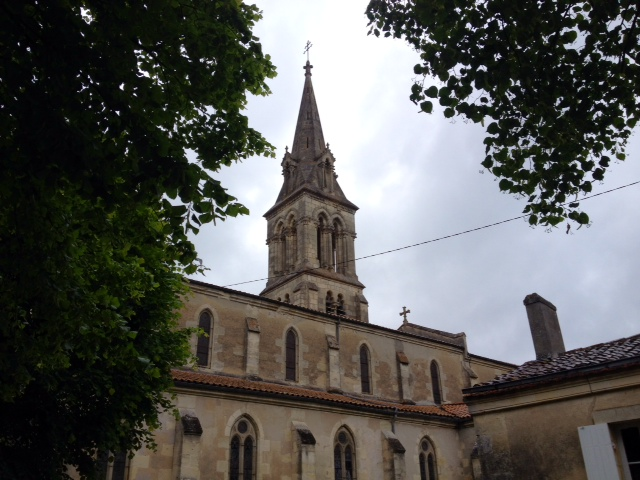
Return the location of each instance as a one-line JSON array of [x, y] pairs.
[[545, 328]]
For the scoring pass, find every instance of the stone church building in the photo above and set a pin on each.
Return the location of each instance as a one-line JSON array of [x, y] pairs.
[[295, 383]]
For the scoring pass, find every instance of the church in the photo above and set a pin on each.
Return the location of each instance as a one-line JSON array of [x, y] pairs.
[[295, 383]]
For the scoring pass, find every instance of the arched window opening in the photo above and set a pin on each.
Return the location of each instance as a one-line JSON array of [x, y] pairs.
[[242, 451], [435, 383], [319, 240], [344, 456], [286, 298], [334, 248], [329, 303], [427, 460], [340, 310], [204, 339], [291, 355], [365, 377]]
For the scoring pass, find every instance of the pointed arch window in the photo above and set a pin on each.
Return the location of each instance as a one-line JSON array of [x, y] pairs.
[[291, 355], [319, 239], [427, 459], [242, 450], [435, 383], [335, 256], [340, 305], [365, 376], [204, 339], [344, 456], [329, 303]]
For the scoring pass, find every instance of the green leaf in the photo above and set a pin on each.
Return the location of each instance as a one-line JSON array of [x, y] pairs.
[[426, 106], [558, 82], [431, 92], [505, 184], [493, 128]]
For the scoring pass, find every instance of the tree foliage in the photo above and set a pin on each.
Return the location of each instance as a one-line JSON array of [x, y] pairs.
[[555, 83], [100, 104]]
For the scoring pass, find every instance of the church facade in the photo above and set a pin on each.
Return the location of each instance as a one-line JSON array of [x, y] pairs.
[[295, 383]]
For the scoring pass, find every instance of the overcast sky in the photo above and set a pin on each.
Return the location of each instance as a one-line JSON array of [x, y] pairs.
[[416, 178]]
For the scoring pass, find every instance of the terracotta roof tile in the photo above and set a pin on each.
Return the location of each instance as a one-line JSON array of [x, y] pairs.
[[452, 411], [593, 358]]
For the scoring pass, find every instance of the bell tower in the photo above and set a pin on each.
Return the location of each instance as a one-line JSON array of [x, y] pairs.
[[311, 228]]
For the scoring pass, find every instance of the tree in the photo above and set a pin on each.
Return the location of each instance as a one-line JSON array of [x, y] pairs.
[[100, 105], [555, 83]]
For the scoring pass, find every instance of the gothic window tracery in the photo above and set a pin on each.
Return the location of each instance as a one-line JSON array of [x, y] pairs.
[[205, 323], [344, 456], [242, 450], [427, 459], [291, 355]]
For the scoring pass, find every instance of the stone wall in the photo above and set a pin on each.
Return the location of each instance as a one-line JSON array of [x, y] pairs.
[[278, 442], [230, 346], [533, 434]]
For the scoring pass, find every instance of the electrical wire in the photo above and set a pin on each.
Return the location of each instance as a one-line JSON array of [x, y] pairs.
[[464, 232]]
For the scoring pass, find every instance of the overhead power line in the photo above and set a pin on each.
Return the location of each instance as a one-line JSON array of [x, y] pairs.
[[433, 240]]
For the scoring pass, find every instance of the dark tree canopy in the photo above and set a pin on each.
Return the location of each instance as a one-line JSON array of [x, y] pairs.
[[100, 102], [555, 83]]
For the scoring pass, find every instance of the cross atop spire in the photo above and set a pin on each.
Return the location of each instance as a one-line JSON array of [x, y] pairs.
[[308, 66], [306, 49]]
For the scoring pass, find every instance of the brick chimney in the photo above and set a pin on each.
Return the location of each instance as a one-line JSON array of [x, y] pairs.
[[545, 328]]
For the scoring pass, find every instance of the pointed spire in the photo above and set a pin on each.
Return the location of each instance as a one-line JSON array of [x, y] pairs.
[[308, 141]]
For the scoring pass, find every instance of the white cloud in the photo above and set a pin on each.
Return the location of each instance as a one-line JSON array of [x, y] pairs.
[[415, 178]]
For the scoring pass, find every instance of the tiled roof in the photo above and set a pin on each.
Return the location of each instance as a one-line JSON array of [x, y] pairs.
[[454, 411], [598, 358]]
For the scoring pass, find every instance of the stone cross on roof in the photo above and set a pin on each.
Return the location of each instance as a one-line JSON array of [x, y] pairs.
[[404, 313]]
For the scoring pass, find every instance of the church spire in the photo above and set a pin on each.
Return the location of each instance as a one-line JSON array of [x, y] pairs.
[[311, 228], [308, 140]]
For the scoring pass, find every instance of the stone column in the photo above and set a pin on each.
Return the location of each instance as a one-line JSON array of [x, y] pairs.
[[190, 448], [271, 246], [305, 446], [350, 266], [326, 259], [393, 457]]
